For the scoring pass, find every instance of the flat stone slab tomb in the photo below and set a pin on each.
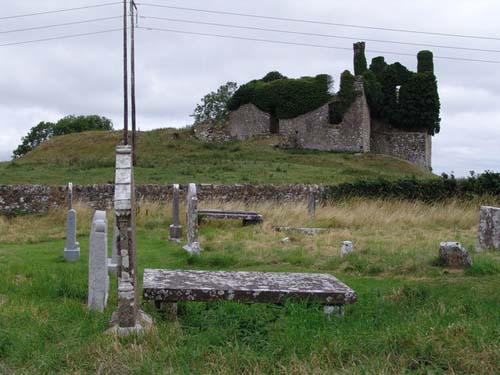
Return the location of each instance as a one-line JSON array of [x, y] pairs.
[[248, 217], [171, 286]]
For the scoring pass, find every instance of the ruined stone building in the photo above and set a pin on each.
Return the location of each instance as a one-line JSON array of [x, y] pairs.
[[358, 129]]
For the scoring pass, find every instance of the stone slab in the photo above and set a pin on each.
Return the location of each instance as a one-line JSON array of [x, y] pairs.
[[265, 287], [308, 231], [246, 216]]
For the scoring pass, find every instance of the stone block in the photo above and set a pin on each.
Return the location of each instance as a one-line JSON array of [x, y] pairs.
[[489, 228], [347, 248], [452, 254]]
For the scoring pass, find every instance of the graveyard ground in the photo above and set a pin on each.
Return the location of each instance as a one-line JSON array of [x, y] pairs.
[[173, 155], [412, 316]]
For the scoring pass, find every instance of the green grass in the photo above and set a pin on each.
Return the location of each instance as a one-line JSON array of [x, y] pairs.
[[411, 316], [167, 156]]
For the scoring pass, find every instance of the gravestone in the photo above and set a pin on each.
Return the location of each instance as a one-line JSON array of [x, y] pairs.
[[128, 318], [193, 245], [72, 249], [452, 254], [347, 248], [113, 261], [98, 263], [311, 204], [175, 228], [489, 228]]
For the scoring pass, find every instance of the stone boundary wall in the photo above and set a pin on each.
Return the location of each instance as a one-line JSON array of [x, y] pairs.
[[33, 199]]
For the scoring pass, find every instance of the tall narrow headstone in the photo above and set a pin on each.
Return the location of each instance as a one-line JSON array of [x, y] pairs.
[[98, 263], [175, 227], [311, 204], [72, 249], [489, 228], [193, 245], [113, 261], [128, 318]]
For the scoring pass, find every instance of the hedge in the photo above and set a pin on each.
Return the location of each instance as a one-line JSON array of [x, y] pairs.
[[429, 190]]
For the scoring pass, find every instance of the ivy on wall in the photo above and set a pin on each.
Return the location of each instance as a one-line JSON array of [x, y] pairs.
[[346, 97], [284, 97], [407, 100]]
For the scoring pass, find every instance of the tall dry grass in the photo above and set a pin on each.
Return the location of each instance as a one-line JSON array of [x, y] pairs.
[[385, 216]]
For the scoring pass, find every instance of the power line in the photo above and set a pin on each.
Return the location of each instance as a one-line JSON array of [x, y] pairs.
[[58, 25], [58, 11], [322, 22], [320, 35], [59, 37], [311, 45]]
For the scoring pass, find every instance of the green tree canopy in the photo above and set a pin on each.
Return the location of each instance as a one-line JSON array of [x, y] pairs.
[[213, 106], [66, 125]]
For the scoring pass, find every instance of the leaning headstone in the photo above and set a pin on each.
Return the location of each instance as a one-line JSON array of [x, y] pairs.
[[98, 263], [72, 249], [175, 228], [347, 248], [113, 261], [128, 318], [452, 254], [489, 228], [193, 245]]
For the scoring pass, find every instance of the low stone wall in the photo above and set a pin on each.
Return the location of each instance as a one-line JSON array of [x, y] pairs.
[[31, 199]]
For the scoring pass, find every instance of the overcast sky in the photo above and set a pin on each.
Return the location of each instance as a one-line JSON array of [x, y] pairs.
[[48, 80]]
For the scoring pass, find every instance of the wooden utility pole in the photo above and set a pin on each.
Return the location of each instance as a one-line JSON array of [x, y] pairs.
[[132, 77], [125, 76]]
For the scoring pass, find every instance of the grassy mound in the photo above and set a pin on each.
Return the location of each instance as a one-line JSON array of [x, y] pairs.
[[170, 155]]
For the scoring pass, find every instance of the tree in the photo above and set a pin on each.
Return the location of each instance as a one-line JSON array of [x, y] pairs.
[[213, 106], [69, 124], [37, 134]]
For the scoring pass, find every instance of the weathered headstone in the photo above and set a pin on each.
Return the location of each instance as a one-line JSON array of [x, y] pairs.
[[72, 249], [489, 228], [193, 245], [175, 227], [113, 261], [347, 248], [98, 263], [452, 254], [128, 318], [311, 204]]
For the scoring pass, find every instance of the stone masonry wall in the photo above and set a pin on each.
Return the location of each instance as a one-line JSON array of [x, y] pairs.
[[30, 199], [248, 121], [314, 131], [415, 147]]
